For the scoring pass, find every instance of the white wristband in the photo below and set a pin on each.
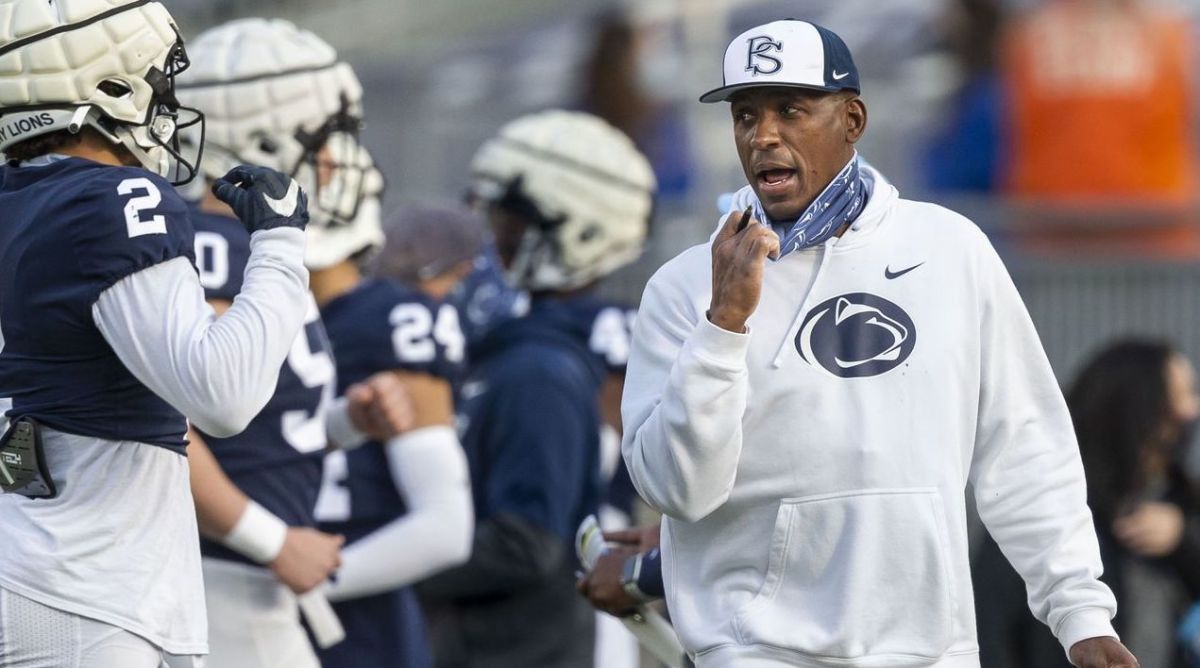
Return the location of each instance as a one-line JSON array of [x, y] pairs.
[[258, 535], [340, 429]]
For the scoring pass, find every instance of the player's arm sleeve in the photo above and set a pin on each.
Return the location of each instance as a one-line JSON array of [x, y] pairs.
[[430, 471], [530, 493], [685, 393], [218, 371], [1027, 471]]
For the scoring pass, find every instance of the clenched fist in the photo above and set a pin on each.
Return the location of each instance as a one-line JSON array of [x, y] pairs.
[[263, 198], [380, 406], [307, 559], [738, 260]]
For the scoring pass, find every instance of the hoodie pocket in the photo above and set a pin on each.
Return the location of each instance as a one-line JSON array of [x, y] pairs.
[[856, 575]]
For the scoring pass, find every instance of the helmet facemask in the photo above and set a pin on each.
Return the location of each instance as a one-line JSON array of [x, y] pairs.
[[333, 240], [536, 249], [157, 143], [333, 166]]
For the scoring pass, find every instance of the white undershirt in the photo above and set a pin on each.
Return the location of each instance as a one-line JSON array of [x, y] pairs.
[[119, 544], [219, 372], [430, 471]]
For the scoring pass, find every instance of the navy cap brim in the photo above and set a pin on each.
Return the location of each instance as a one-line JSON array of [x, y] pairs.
[[723, 93]]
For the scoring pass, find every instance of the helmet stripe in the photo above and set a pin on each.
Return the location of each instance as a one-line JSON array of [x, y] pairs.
[[213, 83], [25, 41]]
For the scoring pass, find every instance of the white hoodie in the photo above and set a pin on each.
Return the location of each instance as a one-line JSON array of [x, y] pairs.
[[813, 469]]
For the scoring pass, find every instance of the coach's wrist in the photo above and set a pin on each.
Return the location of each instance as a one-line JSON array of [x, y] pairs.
[[726, 321], [258, 534]]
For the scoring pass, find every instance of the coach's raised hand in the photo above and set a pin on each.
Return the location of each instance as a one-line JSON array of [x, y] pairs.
[[1101, 653], [739, 254], [263, 198]]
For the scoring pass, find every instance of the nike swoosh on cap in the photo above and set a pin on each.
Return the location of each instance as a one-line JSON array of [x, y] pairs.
[[286, 205], [839, 77], [889, 274]]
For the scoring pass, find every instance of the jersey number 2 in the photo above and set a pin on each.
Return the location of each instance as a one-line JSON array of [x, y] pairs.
[[134, 223]]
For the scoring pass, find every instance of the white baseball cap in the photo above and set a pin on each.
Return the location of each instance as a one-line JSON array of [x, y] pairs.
[[789, 52]]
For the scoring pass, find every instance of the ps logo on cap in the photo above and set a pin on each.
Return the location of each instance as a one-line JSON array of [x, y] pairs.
[[816, 58], [756, 54]]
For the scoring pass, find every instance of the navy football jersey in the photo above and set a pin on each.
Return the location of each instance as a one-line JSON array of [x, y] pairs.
[[381, 325], [610, 332], [611, 328], [529, 415], [222, 251], [70, 230], [276, 460], [385, 629]]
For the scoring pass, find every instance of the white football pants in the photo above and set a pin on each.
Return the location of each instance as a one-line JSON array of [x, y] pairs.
[[253, 620], [33, 635]]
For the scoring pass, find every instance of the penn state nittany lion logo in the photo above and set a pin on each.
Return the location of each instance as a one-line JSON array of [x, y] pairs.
[[856, 335], [757, 59]]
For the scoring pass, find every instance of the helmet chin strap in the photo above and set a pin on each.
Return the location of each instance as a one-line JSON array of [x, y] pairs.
[[152, 157], [533, 266], [520, 274]]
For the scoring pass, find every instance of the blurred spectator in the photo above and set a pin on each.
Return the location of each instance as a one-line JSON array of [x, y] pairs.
[[623, 82], [1100, 102], [1133, 406], [1099, 111], [966, 153]]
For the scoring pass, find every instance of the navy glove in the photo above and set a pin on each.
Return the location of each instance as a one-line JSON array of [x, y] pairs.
[[263, 198]]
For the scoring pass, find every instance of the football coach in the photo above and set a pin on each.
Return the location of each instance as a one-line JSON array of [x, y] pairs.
[[810, 392]]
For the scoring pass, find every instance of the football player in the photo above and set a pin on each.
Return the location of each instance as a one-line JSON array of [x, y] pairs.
[[107, 340], [404, 505], [485, 299], [568, 199], [256, 491]]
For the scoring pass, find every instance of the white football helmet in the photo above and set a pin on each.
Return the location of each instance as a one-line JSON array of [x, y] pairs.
[[105, 64], [277, 96], [586, 189]]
